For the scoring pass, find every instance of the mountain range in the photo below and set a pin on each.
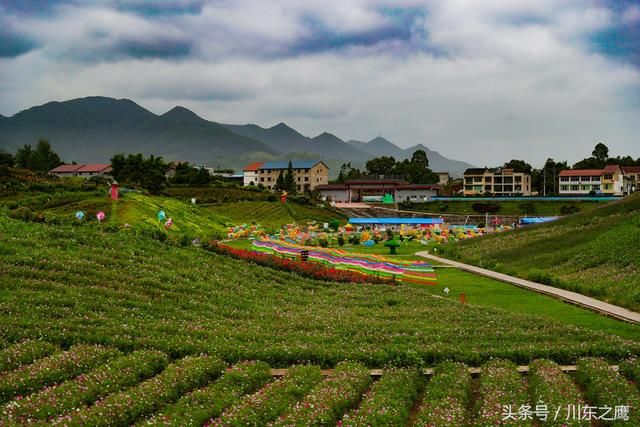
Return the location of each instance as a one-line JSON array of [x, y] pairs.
[[93, 129]]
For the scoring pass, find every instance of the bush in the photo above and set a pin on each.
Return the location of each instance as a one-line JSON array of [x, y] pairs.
[[271, 198], [264, 406], [127, 406], [301, 199], [326, 404], [323, 243], [341, 240], [24, 353], [53, 369], [116, 375], [491, 208], [569, 209], [23, 213]]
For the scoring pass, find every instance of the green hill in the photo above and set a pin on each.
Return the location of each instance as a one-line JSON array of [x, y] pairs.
[[596, 253]]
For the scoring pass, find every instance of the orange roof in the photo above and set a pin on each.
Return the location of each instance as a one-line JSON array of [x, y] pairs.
[[98, 167], [581, 172], [631, 169], [65, 169], [253, 166]]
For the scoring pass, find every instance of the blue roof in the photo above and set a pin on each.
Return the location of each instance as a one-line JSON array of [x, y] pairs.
[[296, 164], [395, 220]]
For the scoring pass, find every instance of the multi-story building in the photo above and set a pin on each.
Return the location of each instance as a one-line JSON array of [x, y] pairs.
[[500, 182], [250, 173], [373, 190], [610, 181], [633, 173], [308, 174]]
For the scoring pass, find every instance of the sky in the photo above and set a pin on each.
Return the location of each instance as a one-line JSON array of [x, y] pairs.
[[478, 80]]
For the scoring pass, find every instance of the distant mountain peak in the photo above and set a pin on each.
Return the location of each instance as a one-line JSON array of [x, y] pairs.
[[379, 139], [180, 112]]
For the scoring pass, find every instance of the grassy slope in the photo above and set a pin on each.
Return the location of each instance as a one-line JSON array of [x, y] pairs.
[[595, 253], [542, 208], [487, 292], [82, 284]]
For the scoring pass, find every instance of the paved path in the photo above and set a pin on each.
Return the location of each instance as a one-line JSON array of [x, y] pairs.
[[568, 296]]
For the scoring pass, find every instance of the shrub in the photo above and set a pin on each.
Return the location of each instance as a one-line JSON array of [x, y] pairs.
[[265, 405], [323, 243], [502, 392], [604, 387], [341, 240], [569, 209], [491, 208], [630, 368], [129, 405], [389, 401], [53, 369], [271, 198], [334, 223], [330, 399], [116, 375], [24, 353], [551, 389], [446, 396], [23, 213], [195, 408]]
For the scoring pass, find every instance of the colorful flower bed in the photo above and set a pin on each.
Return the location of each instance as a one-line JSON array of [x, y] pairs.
[[552, 394], [129, 405], [326, 404], [267, 403], [24, 353], [308, 269], [630, 368], [53, 369], [607, 388], [389, 401], [195, 408], [368, 265], [502, 396], [446, 396], [85, 389]]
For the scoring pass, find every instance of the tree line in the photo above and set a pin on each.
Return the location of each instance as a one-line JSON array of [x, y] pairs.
[[415, 170]]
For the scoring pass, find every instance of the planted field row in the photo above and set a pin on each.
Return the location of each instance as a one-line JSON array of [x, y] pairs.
[[91, 385]]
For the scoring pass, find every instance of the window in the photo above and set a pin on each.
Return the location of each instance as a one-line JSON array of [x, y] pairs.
[[468, 180], [298, 179], [498, 180], [518, 179], [564, 187], [564, 178], [508, 180], [487, 188], [585, 178], [306, 179], [608, 177], [269, 179], [575, 178], [575, 187], [488, 179], [586, 188], [595, 187], [262, 179]]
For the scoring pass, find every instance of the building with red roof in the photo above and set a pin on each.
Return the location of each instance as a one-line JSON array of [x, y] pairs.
[[612, 180], [373, 190], [250, 173], [97, 169]]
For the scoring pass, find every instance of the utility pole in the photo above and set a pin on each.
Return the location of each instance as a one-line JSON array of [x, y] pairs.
[[544, 180]]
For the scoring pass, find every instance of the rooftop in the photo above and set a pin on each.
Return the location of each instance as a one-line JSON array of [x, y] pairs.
[[97, 167], [253, 166], [295, 164], [65, 169], [581, 172]]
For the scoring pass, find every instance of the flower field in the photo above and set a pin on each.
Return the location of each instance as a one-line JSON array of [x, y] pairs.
[[146, 388]]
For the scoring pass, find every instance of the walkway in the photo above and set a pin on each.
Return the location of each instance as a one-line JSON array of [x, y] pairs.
[[567, 296]]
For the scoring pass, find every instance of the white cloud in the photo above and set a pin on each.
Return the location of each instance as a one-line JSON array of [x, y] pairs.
[[516, 79]]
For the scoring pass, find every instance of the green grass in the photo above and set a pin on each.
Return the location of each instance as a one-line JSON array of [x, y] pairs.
[[486, 292], [93, 284], [541, 208], [595, 253]]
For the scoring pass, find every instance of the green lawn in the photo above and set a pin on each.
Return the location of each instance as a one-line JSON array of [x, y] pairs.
[[596, 253]]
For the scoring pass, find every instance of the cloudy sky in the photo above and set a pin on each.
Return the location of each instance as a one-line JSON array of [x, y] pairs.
[[478, 80]]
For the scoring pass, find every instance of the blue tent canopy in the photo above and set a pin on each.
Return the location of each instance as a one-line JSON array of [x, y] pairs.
[[396, 221], [537, 220]]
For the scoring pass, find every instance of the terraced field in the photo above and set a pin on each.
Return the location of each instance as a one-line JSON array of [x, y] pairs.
[[596, 253], [100, 386]]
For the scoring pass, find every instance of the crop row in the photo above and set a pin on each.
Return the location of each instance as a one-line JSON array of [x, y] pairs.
[[609, 392], [127, 406], [630, 368], [85, 389], [24, 353], [53, 369], [502, 386], [326, 404], [195, 408], [446, 396], [389, 400], [266, 404]]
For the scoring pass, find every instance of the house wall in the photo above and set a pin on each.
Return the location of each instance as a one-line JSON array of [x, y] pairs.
[[580, 185], [249, 177], [336, 195], [415, 195], [502, 184], [306, 179]]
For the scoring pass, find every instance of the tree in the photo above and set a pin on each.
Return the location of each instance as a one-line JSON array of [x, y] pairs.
[[42, 159], [601, 152], [6, 159], [416, 170], [519, 166], [279, 182], [137, 171], [545, 180], [381, 165], [290, 180]]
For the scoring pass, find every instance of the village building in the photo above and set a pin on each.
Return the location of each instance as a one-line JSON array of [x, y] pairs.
[[610, 181], [373, 190], [308, 174], [250, 174], [501, 182], [87, 171], [443, 177]]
